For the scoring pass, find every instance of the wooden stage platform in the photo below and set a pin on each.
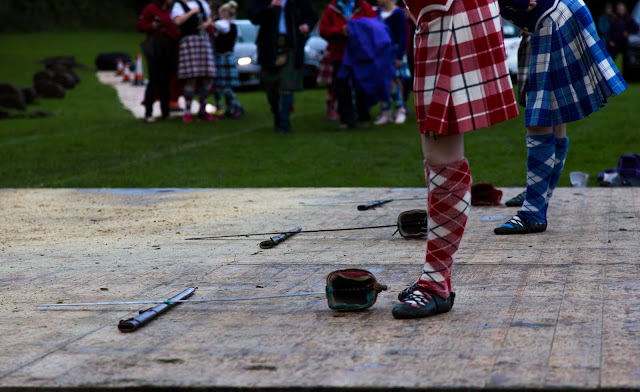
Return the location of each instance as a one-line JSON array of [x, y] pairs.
[[558, 310]]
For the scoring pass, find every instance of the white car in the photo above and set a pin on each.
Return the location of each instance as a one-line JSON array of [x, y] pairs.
[[512, 40], [313, 53], [246, 53]]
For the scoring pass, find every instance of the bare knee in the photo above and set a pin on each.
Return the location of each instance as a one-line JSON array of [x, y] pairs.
[[560, 130], [538, 131], [442, 150]]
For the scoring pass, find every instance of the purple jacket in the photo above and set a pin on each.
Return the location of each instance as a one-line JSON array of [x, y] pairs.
[[366, 58]]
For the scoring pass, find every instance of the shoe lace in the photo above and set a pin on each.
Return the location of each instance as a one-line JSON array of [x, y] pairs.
[[530, 218], [408, 290], [516, 221], [419, 297]]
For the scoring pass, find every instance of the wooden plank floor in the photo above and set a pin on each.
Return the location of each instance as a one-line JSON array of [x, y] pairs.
[[556, 310]]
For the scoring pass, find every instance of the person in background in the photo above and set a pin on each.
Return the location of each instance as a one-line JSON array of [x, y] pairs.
[[395, 19], [622, 26], [524, 59], [215, 5], [196, 65], [333, 28], [284, 28], [570, 76], [407, 82], [224, 38], [160, 50], [325, 76], [604, 21], [461, 84]]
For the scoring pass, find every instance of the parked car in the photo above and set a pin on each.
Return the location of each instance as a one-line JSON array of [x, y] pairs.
[[631, 63], [246, 53], [313, 53], [512, 40]]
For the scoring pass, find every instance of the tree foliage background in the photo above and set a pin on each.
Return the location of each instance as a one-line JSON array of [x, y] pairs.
[[62, 15]]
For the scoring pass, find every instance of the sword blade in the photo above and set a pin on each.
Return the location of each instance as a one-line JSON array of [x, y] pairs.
[[329, 203], [140, 302]]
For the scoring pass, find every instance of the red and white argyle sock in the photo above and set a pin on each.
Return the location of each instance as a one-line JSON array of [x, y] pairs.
[[449, 201]]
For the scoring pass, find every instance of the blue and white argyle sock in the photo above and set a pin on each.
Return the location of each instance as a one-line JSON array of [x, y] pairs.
[[396, 97], [203, 94], [541, 157], [189, 93], [562, 146]]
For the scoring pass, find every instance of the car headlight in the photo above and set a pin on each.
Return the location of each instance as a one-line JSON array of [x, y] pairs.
[[244, 61]]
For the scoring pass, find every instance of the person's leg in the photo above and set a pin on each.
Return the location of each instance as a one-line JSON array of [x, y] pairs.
[[150, 92], [164, 70], [286, 101], [385, 113], [449, 200], [344, 95], [407, 87], [330, 101], [398, 102], [562, 146], [176, 90], [385, 107], [217, 96], [189, 93], [364, 116], [541, 156], [234, 108], [203, 95], [152, 86], [163, 91], [271, 85]]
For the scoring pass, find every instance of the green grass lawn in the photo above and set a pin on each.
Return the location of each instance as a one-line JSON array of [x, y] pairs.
[[92, 141]]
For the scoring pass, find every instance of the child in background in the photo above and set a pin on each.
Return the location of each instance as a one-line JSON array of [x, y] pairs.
[[570, 76], [622, 26], [333, 28], [224, 38], [395, 19], [196, 66], [325, 76]]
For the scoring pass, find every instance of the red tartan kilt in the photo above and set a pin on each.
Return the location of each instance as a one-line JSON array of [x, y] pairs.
[[461, 79]]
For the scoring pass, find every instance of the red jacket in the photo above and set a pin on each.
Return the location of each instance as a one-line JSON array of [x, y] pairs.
[[152, 12], [333, 22]]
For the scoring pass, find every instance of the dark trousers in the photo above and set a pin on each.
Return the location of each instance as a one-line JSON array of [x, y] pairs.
[[271, 84], [162, 63], [344, 93]]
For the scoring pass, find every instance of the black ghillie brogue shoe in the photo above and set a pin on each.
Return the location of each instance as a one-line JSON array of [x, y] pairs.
[[521, 224], [416, 302], [516, 201]]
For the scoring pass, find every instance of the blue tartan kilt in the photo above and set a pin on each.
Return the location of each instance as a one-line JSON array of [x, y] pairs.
[[571, 74], [226, 70]]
